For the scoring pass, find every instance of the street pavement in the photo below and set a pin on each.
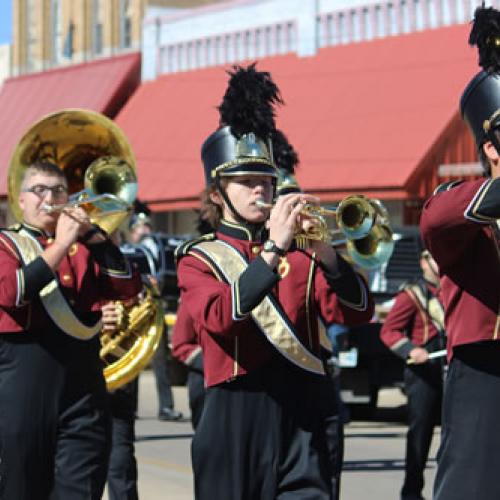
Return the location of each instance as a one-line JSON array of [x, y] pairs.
[[373, 462]]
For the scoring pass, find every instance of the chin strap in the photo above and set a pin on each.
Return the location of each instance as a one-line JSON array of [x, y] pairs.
[[253, 228]]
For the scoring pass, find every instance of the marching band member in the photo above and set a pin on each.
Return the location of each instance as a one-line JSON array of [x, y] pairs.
[[460, 228], [56, 269], [255, 300], [413, 328]]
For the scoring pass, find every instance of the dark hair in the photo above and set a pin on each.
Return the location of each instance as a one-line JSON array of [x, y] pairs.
[[44, 167], [210, 211], [484, 160]]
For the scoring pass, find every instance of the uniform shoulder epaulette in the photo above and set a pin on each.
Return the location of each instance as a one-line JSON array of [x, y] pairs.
[[183, 248], [446, 186]]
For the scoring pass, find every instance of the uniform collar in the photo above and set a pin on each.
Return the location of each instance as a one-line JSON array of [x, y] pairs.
[[247, 232], [35, 231]]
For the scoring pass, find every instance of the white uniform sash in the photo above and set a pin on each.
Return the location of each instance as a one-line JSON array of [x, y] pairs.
[[51, 296], [433, 307], [268, 315]]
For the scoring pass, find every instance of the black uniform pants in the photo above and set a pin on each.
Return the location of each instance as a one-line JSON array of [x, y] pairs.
[[122, 472], [160, 368], [262, 437], [423, 385], [54, 418], [469, 456], [196, 393]]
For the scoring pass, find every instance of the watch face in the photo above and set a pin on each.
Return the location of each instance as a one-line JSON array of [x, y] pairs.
[[268, 245]]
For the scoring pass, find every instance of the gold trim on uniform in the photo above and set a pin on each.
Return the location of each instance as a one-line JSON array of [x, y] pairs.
[[425, 320], [268, 318], [51, 296], [283, 267], [236, 356], [308, 298]]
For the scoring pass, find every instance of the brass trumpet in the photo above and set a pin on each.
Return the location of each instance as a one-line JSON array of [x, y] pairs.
[[364, 223]]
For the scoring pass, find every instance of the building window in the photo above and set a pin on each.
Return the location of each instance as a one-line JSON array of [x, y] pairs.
[[405, 16], [189, 55], [379, 21], [343, 35], [432, 13], [199, 54], [268, 42], [446, 17], [248, 45], [393, 20], [258, 42], [31, 35], [56, 31], [355, 26], [97, 27], [330, 30], [367, 24], [419, 14], [291, 37], [125, 24]]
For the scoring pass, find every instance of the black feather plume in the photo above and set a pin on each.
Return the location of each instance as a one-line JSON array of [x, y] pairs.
[[485, 35], [248, 104], [285, 156]]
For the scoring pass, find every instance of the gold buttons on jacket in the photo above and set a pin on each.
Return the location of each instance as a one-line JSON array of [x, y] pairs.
[[66, 277], [50, 241], [256, 250], [73, 249]]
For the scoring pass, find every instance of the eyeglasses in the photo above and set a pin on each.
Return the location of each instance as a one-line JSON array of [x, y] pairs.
[[42, 190]]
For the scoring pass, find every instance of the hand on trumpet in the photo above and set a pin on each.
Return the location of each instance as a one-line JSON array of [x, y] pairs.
[[286, 216], [73, 222]]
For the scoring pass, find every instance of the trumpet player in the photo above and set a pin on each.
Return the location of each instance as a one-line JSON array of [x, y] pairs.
[[255, 299], [56, 268]]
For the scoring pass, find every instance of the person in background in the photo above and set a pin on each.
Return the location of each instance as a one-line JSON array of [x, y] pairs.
[[122, 470], [414, 328], [459, 226], [185, 343], [141, 225]]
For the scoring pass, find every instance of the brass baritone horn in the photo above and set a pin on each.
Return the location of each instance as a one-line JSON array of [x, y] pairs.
[[364, 223], [94, 155]]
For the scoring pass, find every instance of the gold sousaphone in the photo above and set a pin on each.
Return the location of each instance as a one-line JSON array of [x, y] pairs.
[[99, 166]]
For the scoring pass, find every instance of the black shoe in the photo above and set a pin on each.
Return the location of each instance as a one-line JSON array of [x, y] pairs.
[[169, 414]]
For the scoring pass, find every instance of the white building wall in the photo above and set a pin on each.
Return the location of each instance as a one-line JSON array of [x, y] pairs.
[[5, 62], [242, 30]]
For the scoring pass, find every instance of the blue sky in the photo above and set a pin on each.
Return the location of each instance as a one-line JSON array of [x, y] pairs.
[[5, 21]]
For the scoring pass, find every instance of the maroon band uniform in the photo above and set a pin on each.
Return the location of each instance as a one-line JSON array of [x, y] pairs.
[[54, 423], [186, 348], [408, 325], [459, 226], [264, 393]]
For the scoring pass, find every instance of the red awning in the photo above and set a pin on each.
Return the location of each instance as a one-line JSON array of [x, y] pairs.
[[362, 116], [102, 85]]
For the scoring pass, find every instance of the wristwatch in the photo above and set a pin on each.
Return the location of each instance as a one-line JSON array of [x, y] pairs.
[[270, 246]]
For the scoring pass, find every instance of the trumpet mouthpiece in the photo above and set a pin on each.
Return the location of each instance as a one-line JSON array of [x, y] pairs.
[[48, 208], [263, 204]]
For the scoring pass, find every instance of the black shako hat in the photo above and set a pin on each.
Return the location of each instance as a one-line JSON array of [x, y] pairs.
[[223, 154], [243, 143], [480, 101]]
